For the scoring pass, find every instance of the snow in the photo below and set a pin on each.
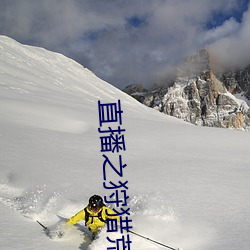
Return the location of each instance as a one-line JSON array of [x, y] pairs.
[[242, 99], [189, 186]]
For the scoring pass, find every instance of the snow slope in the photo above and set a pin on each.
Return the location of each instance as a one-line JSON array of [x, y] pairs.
[[189, 186]]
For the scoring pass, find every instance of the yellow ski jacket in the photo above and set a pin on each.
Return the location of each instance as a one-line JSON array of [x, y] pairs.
[[93, 223]]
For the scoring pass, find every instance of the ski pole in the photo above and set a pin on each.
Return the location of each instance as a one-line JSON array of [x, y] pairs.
[[45, 228], [159, 243]]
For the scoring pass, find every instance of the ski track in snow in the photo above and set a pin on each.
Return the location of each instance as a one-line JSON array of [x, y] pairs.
[[32, 204]]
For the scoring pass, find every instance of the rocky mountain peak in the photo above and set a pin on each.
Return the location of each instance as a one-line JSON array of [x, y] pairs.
[[196, 64], [200, 96]]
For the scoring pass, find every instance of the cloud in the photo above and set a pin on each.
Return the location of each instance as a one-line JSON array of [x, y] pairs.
[[233, 49], [228, 28], [124, 42]]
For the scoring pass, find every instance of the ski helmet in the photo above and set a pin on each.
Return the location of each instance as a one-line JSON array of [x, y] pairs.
[[95, 202]]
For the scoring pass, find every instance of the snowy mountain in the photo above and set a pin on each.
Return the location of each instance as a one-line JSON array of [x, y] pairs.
[[188, 185], [201, 95], [237, 81]]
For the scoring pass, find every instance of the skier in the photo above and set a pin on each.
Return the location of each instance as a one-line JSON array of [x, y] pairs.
[[95, 215]]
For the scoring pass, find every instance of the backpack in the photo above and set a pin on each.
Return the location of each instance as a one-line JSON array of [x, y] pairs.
[[87, 215]]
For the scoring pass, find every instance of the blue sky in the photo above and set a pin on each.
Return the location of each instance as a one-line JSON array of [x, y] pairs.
[[218, 17], [131, 41]]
